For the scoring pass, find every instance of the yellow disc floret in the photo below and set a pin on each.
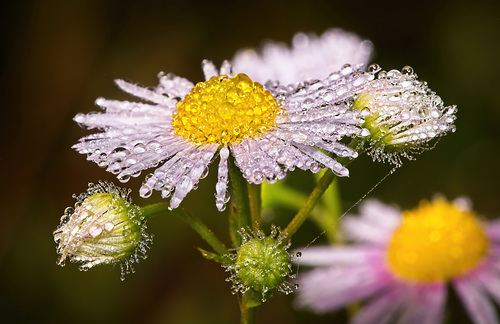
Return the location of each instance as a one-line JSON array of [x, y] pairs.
[[435, 242], [225, 110]]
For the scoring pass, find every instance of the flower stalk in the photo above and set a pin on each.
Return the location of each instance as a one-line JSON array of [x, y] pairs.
[[195, 223]]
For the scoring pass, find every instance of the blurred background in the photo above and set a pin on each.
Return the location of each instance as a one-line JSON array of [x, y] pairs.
[[59, 56]]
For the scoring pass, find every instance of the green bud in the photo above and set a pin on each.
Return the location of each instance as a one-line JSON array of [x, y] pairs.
[[402, 115], [103, 228], [262, 263]]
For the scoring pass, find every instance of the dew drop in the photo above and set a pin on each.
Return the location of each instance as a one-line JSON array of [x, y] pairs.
[[95, 231], [435, 113], [365, 132], [145, 192], [408, 70], [374, 68], [123, 178], [365, 111], [298, 254], [341, 90], [204, 173], [346, 69], [69, 211], [296, 286], [139, 148], [64, 219]]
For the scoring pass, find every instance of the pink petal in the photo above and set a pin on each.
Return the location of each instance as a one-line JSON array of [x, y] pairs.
[[477, 304], [358, 229], [340, 256], [382, 307], [327, 289], [426, 305]]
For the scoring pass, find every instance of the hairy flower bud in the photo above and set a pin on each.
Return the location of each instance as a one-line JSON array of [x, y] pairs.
[[103, 228], [262, 263], [404, 115]]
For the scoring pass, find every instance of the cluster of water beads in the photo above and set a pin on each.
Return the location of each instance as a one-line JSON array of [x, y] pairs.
[[261, 263], [103, 228]]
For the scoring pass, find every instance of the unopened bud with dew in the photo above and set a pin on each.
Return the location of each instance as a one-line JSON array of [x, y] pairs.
[[104, 227], [403, 115], [261, 264]]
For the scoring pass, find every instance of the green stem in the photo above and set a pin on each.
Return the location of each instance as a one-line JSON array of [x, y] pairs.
[[254, 197], [314, 197], [248, 313], [194, 222], [241, 215], [328, 219], [308, 206]]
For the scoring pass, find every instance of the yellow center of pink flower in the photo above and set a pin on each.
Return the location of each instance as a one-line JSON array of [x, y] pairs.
[[436, 242], [225, 110]]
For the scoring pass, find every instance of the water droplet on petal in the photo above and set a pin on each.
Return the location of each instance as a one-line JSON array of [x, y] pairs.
[[346, 69], [145, 192], [95, 231], [109, 226], [374, 68], [139, 148], [123, 178], [408, 70]]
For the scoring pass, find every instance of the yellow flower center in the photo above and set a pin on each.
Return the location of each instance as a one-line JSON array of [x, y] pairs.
[[435, 242], [225, 110]]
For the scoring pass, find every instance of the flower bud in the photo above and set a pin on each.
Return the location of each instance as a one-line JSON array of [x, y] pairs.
[[103, 228], [403, 115], [262, 263]]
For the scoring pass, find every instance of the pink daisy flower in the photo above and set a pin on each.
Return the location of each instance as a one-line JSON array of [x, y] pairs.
[[402, 263]]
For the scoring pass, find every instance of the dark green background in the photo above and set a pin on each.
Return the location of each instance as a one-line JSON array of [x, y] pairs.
[[58, 56]]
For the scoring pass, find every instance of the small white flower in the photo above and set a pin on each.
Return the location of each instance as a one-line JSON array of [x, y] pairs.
[[268, 129], [405, 115], [310, 57]]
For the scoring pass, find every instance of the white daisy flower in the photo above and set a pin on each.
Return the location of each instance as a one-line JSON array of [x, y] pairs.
[[310, 57], [268, 129]]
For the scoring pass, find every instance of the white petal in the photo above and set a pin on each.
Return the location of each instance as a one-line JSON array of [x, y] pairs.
[[226, 68], [175, 86], [209, 69], [143, 93], [356, 228], [221, 193], [324, 159], [379, 214], [310, 57], [255, 164]]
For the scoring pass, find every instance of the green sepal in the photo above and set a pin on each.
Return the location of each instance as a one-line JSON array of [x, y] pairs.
[[253, 298], [214, 256]]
